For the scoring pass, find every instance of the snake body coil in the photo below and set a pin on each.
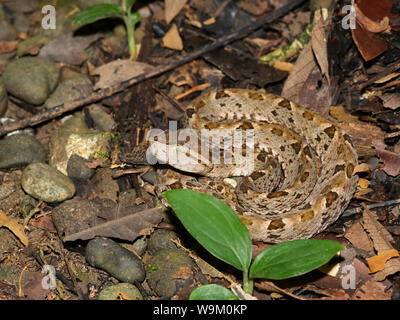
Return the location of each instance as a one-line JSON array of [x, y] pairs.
[[300, 179]]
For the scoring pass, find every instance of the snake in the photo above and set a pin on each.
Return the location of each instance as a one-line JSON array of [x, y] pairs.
[[294, 173]]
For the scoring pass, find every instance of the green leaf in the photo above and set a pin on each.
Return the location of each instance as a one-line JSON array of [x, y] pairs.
[[129, 4], [97, 12], [293, 258], [135, 18], [214, 225], [212, 292]]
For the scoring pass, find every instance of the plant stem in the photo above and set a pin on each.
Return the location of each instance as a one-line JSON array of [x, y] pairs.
[[247, 283], [131, 35]]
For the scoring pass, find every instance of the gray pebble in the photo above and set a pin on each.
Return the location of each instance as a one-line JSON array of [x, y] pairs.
[[162, 239], [108, 255], [169, 270], [43, 182], [3, 98], [31, 79], [77, 168], [19, 150], [113, 292]]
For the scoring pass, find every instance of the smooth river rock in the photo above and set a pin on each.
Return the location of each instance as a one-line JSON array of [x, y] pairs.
[[31, 79], [19, 150], [108, 255], [43, 182], [3, 98]]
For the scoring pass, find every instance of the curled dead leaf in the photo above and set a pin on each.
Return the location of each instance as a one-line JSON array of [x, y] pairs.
[[14, 227], [371, 25], [377, 263]]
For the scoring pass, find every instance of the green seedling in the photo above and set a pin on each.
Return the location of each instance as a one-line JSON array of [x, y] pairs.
[[106, 10], [219, 230]]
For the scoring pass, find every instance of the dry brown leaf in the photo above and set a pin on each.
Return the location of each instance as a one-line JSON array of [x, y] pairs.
[[319, 42], [363, 183], [172, 39], [362, 167], [255, 7], [377, 263], [340, 114], [305, 63], [382, 242], [379, 235], [172, 8], [128, 227], [372, 290], [68, 48], [391, 101], [358, 238], [14, 227], [362, 192], [118, 71], [364, 136], [8, 46], [389, 158], [391, 267], [372, 17], [369, 24]]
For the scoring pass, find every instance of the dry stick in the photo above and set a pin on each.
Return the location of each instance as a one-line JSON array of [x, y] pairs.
[[72, 105], [355, 210]]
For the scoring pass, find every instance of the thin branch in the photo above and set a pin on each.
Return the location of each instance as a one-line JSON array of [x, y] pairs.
[[72, 105]]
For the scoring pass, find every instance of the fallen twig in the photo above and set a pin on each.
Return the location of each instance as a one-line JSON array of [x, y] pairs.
[[72, 105], [355, 210]]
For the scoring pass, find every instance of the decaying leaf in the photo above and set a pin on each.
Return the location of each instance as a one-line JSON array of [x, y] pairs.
[[382, 242], [371, 19], [362, 167], [68, 49], [14, 227], [372, 290], [310, 69], [391, 101], [358, 238], [118, 71], [128, 227], [389, 158], [8, 46], [172, 39], [172, 8], [377, 263]]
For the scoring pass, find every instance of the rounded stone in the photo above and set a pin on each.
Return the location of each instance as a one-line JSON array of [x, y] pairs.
[[31, 79], [78, 169], [3, 98], [114, 292], [19, 150], [108, 255], [22, 5], [170, 269], [162, 239], [7, 31], [43, 182]]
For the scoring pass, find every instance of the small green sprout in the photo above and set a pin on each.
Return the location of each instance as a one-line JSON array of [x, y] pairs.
[[106, 10], [219, 230]]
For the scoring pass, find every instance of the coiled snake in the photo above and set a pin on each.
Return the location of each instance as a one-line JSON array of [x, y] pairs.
[[300, 177]]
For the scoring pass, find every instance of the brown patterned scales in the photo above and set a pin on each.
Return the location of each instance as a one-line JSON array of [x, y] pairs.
[[296, 175]]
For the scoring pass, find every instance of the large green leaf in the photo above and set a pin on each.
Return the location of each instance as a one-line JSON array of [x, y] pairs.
[[293, 258], [97, 12], [212, 292], [214, 225]]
